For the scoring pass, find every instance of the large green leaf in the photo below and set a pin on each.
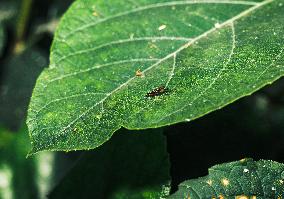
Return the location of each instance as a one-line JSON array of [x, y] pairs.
[[132, 165], [242, 179], [207, 53]]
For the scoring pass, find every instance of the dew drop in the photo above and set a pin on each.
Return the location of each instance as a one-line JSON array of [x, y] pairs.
[[246, 170]]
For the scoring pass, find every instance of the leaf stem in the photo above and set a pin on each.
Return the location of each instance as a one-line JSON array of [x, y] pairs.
[[21, 25]]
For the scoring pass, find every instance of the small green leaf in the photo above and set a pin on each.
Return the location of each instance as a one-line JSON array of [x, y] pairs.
[[132, 165], [262, 179], [206, 54]]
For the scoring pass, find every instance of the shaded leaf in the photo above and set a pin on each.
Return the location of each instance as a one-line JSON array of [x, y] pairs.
[[15, 168], [2, 38], [245, 178], [16, 86], [205, 53], [131, 165], [7, 10]]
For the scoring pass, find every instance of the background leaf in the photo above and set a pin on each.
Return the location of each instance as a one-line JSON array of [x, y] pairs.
[[21, 177], [2, 39], [262, 179], [206, 58], [16, 86], [131, 165]]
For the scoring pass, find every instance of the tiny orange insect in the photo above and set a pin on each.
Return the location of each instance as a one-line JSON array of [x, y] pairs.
[[138, 73]]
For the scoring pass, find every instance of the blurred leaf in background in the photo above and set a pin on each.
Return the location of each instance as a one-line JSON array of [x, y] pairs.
[[28, 27], [21, 177], [21, 73], [2, 38], [133, 164]]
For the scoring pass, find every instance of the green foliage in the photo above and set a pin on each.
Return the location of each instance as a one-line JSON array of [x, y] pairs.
[[262, 179], [131, 165], [207, 54], [2, 38], [7, 11], [17, 84], [20, 177]]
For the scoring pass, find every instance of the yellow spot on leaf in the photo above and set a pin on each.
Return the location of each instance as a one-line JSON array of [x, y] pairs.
[[225, 182], [151, 45], [242, 197], [162, 27], [95, 14], [209, 182]]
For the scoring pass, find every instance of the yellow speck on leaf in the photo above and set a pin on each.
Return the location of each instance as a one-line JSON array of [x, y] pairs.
[[151, 45], [162, 27], [225, 182], [95, 14], [209, 182], [242, 197]]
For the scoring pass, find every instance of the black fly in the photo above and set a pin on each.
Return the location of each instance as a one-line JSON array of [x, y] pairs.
[[157, 91]]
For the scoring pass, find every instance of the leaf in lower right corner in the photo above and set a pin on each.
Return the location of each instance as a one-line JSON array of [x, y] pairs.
[[242, 179]]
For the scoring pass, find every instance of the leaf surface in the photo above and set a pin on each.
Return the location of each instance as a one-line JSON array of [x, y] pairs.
[[242, 179], [206, 54]]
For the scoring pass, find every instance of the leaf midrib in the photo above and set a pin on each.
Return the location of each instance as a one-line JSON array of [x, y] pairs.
[[230, 21]]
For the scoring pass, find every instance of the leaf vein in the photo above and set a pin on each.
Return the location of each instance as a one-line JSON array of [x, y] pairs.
[[103, 65], [159, 5], [123, 41]]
